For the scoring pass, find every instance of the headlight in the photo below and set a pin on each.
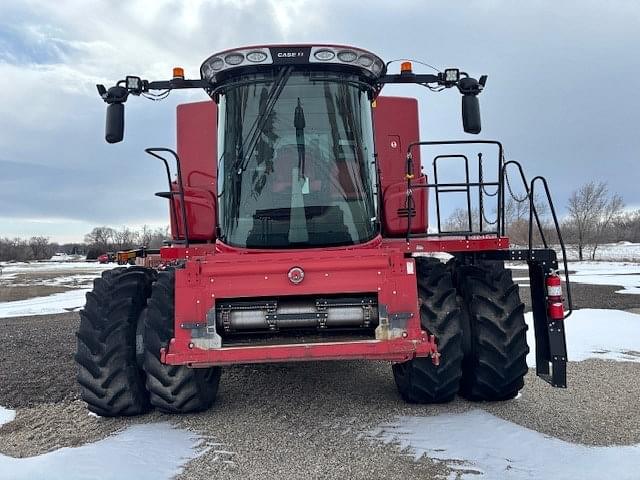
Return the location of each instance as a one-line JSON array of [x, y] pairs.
[[365, 60], [324, 55], [347, 55], [234, 58], [256, 57]]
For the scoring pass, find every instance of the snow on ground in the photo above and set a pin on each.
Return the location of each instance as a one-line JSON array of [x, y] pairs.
[[9, 270], [152, 451], [596, 333], [478, 442], [621, 251], [626, 275], [6, 415], [51, 304]]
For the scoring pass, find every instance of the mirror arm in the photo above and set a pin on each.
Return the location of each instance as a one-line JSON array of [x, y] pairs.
[[120, 92], [177, 83]]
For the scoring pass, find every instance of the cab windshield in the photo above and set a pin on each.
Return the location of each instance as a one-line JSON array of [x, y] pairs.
[[297, 161]]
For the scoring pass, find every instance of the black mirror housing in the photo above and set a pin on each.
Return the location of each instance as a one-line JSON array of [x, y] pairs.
[[471, 114], [114, 126]]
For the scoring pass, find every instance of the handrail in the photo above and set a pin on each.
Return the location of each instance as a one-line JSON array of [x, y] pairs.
[[543, 180], [152, 152], [499, 183], [532, 207]]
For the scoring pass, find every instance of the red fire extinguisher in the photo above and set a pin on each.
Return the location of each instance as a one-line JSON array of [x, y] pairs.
[[555, 307]]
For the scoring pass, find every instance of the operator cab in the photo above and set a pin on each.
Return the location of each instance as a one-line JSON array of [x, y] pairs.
[[296, 161]]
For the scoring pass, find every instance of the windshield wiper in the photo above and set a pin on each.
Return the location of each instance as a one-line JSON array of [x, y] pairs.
[[256, 129]]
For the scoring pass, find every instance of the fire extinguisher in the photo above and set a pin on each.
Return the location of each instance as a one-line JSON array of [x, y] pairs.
[[555, 305]]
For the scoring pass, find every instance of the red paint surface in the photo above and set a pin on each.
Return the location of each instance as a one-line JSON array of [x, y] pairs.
[[197, 148], [215, 271]]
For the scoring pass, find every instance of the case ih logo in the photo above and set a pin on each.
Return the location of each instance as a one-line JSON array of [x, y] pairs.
[[290, 55]]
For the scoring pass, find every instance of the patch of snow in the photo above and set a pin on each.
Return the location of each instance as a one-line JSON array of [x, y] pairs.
[[626, 275], [6, 415], [51, 304], [53, 267], [621, 251], [596, 333], [151, 451], [492, 448]]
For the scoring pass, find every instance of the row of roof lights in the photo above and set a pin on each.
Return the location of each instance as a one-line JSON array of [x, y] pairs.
[[347, 56], [318, 54]]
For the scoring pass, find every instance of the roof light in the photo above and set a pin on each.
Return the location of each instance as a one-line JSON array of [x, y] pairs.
[[406, 67], [178, 72], [234, 58], [324, 55], [256, 56], [216, 64], [134, 84], [365, 60], [376, 68], [347, 56], [451, 75]]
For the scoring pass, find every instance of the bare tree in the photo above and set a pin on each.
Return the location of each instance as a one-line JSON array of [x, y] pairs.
[[458, 221], [516, 217], [40, 248], [124, 238], [592, 211], [101, 238]]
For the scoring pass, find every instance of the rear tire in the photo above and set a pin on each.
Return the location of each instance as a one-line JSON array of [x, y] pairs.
[[172, 388], [111, 382], [496, 361], [419, 380]]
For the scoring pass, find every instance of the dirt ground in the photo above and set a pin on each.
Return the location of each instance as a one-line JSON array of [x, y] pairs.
[[302, 420], [24, 292]]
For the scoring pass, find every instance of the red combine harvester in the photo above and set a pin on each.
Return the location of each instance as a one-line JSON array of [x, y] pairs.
[[299, 223]]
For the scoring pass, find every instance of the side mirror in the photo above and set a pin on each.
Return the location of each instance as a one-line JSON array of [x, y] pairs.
[[114, 127], [471, 114]]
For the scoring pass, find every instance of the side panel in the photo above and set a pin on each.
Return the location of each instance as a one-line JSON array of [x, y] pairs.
[[197, 148], [396, 126], [197, 138], [395, 121]]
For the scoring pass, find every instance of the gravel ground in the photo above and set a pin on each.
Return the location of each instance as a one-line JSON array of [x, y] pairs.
[[303, 420]]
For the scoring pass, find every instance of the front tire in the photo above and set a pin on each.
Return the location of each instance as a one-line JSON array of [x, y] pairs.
[[172, 388], [495, 363], [419, 380], [111, 382]]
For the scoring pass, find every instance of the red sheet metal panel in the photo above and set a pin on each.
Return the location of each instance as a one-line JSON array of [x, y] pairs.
[[396, 126]]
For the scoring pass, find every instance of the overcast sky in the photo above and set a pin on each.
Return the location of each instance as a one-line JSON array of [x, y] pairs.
[[562, 92]]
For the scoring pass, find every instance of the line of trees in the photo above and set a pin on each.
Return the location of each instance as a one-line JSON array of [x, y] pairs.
[[98, 241], [25, 249], [108, 239], [594, 216]]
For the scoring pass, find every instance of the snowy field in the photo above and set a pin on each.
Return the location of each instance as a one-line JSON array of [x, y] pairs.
[[152, 451], [76, 276], [616, 252], [474, 444], [477, 445]]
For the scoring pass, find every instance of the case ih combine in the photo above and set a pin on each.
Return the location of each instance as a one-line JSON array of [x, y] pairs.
[[299, 223]]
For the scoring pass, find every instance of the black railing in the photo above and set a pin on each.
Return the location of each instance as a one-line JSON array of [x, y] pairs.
[[155, 152], [465, 187]]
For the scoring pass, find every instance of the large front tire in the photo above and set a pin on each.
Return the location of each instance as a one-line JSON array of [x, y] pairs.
[[495, 363], [419, 380], [111, 382], [172, 388]]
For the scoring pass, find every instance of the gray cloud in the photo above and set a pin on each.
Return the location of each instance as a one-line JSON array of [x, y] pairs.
[[560, 92]]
